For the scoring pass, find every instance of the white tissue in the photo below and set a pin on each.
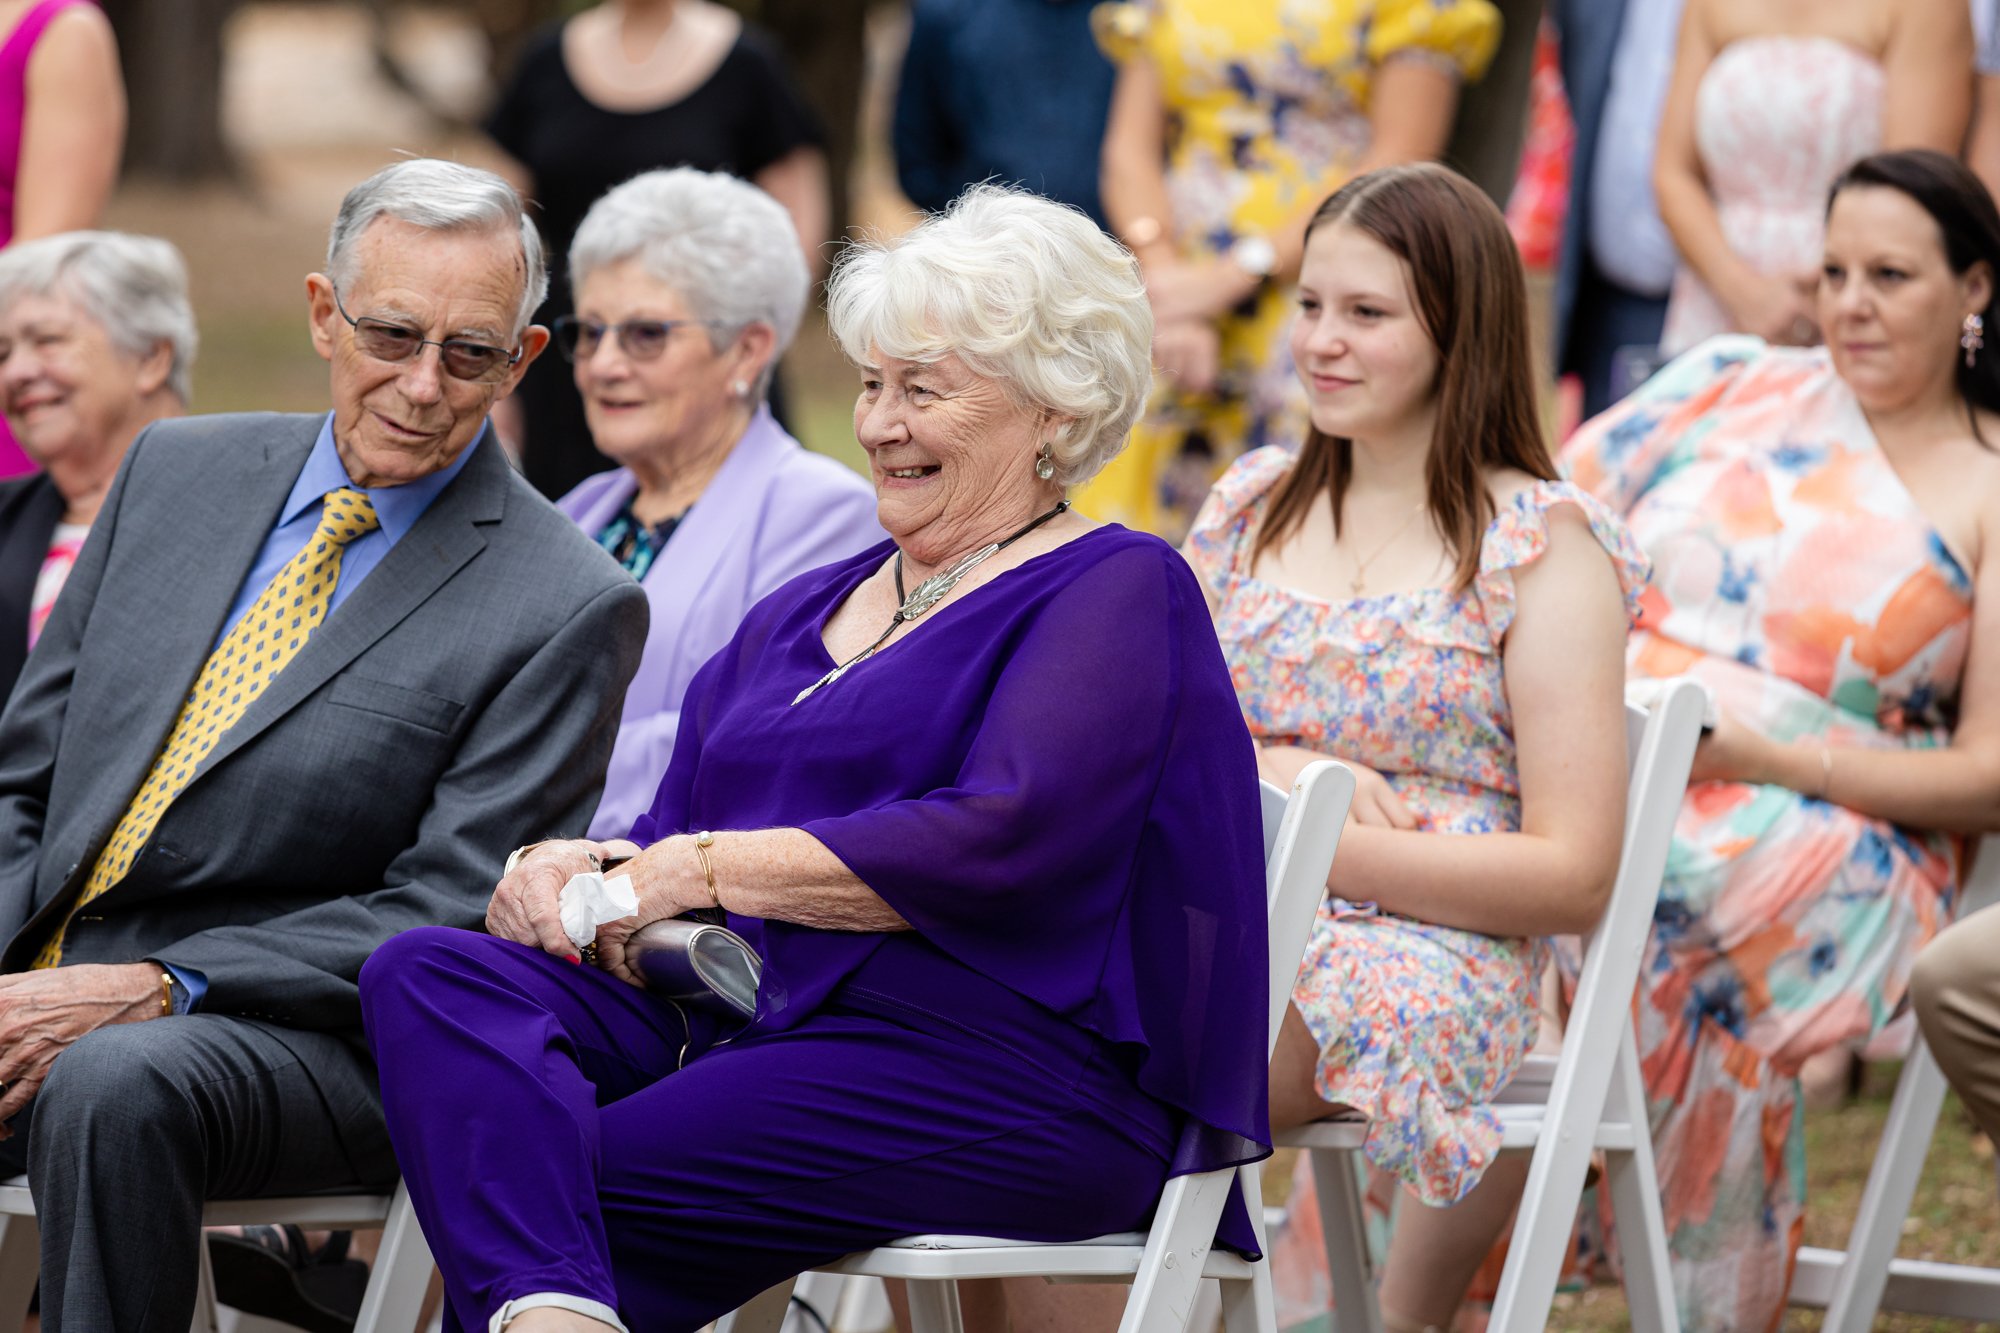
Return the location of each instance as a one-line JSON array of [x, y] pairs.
[[589, 900]]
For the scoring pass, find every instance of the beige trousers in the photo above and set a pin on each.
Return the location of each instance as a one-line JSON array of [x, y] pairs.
[[1955, 989]]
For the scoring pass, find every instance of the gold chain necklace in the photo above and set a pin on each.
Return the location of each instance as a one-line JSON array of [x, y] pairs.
[[1359, 583]]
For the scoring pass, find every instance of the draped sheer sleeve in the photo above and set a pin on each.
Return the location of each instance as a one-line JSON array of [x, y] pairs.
[[1098, 849]]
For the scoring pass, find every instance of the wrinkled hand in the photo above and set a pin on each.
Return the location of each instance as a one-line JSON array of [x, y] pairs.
[[1197, 291], [668, 882], [1189, 353], [523, 908], [1779, 308], [43, 1013], [1375, 801], [1732, 752]]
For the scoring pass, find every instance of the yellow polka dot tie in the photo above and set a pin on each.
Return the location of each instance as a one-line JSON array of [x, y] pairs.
[[248, 659]]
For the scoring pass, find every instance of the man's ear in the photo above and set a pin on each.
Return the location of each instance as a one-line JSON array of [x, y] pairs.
[[322, 314]]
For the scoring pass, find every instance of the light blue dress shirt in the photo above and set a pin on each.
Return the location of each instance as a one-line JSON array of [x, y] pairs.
[[397, 509], [1628, 242]]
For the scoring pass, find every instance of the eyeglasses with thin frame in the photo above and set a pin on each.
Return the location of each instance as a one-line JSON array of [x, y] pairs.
[[640, 339], [461, 358]]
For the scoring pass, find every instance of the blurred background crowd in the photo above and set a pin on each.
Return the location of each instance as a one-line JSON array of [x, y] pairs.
[[1663, 165]]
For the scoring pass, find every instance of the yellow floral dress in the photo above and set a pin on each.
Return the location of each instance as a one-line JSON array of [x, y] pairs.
[[1267, 109]]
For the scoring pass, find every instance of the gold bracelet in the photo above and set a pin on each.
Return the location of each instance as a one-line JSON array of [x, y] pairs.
[[1826, 772], [702, 842], [166, 993]]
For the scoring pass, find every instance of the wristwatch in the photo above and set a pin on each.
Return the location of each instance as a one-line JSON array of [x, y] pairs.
[[1255, 255]]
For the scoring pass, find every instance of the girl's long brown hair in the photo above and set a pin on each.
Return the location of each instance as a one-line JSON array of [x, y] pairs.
[[1472, 300]]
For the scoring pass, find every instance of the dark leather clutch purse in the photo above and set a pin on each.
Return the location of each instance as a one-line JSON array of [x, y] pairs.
[[695, 959]]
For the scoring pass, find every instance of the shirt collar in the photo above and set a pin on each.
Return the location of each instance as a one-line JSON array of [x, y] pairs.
[[397, 508]]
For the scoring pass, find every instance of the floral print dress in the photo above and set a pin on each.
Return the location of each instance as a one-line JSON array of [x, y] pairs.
[[1418, 1025], [1798, 580], [1267, 110]]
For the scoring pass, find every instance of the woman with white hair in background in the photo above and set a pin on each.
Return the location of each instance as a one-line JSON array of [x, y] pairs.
[[96, 343], [980, 796], [689, 287]]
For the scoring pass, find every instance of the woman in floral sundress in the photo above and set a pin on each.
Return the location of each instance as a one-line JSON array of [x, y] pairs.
[[1415, 593], [1820, 522]]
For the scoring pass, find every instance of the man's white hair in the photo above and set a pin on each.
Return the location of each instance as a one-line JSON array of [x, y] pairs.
[[439, 196]]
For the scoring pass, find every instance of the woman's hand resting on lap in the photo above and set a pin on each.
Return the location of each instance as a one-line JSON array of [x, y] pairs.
[[668, 881], [523, 908], [1375, 801]]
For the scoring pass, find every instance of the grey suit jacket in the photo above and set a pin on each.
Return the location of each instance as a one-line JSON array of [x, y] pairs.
[[462, 700]]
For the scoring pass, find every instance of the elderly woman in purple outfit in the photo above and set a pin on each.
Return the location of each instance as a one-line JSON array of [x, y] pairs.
[[689, 287], [982, 798]]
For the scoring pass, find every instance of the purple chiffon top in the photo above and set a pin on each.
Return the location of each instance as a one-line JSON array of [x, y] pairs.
[[1049, 779]]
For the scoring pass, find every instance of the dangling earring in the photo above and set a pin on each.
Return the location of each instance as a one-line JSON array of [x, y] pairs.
[[1045, 463], [1972, 337]]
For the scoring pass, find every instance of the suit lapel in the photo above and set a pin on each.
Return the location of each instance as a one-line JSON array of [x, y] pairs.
[[158, 627], [440, 544]]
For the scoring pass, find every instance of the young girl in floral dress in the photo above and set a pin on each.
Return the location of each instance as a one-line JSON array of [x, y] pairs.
[[1415, 593]]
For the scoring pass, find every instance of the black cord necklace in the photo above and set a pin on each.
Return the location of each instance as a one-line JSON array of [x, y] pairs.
[[925, 596]]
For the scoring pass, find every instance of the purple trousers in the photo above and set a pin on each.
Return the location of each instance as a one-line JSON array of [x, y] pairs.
[[562, 1131]]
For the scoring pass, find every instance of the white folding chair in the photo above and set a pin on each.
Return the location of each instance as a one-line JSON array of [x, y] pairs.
[[1167, 1263], [1560, 1109], [1852, 1285], [396, 1284]]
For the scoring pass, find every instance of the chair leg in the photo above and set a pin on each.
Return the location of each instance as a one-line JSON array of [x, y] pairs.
[[204, 1294], [1344, 1227], [394, 1300], [821, 1292], [20, 1266], [1252, 1306], [1634, 1184], [762, 1313], [934, 1307], [1885, 1201]]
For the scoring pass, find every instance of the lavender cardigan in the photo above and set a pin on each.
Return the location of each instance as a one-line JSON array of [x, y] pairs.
[[773, 511]]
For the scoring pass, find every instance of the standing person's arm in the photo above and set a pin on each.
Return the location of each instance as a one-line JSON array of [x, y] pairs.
[[798, 180], [1775, 307], [1927, 83], [1132, 167], [73, 131], [1982, 146]]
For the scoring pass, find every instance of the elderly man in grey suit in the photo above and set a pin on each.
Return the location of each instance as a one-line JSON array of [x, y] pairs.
[[310, 680]]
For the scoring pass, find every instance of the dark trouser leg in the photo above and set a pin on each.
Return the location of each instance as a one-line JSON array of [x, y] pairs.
[[138, 1124], [1955, 989], [1609, 319]]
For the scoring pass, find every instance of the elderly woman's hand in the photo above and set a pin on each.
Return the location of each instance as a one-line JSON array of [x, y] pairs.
[[668, 880], [523, 908]]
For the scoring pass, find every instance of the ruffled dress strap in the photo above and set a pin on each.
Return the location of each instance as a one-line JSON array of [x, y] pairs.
[[1460, 35], [1519, 535], [1218, 545]]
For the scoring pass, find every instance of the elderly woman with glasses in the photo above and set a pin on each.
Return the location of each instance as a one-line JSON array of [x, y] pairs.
[[96, 343], [982, 798], [689, 286]]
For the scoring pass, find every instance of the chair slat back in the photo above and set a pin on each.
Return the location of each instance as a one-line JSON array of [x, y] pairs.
[[1301, 834]]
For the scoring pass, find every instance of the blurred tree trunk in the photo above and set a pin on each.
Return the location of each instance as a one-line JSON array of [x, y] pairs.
[[825, 43], [172, 54]]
